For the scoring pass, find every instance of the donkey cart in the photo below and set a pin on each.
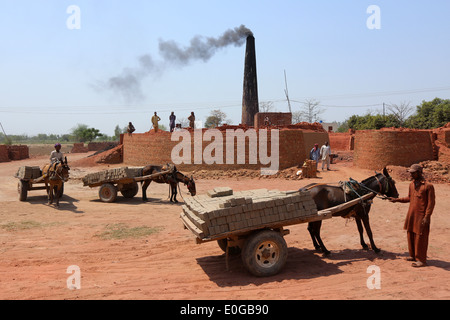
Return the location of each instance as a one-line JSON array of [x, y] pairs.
[[29, 177], [124, 179], [252, 222]]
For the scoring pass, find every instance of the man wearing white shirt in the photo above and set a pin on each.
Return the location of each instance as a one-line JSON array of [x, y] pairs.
[[325, 152], [56, 155]]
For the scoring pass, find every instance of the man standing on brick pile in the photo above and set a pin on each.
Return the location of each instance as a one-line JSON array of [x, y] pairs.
[[172, 119], [314, 154], [155, 120], [130, 128], [421, 198], [325, 153], [191, 119]]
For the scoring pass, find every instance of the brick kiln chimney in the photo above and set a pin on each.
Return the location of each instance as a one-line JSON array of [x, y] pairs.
[[250, 104]]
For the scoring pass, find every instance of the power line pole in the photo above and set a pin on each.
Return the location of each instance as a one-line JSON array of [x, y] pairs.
[[286, 92]]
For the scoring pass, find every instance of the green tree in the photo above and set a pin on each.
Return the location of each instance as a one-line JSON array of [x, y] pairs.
[[118, 132], [215, 119], [430, 114], [83, 133], [370, 122]]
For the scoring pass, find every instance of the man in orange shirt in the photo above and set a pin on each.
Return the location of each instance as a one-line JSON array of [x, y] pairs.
[[421, 198]]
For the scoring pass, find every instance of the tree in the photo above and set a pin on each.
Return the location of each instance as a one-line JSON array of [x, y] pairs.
[[430, 114], [215, 119], [297, 117], [266, 106], [310, 112], [401, 111], [83, 133], [369, 122], [118, 131]]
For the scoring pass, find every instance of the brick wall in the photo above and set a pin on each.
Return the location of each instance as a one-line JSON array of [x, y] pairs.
[[375, 149], [443, 136], [156, 148], [311, 138], [275, 118], [17, 152], [79, 147], [341, 141], [4, 156]]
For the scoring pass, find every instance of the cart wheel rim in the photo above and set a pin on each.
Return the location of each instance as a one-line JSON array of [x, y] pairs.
[[267, 254], [106, 193]]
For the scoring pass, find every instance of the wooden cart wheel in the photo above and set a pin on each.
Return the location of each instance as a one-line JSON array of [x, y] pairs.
[[22, 189], [108, 193], [264, 253], [130, 190]]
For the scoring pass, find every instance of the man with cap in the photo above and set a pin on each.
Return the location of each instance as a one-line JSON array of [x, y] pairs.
[[56, 155], [314, 154], [421, 198]]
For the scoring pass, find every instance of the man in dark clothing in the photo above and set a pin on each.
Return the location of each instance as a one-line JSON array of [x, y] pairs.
[[191, 119], [172, 119], [130, 128], [421, 198]]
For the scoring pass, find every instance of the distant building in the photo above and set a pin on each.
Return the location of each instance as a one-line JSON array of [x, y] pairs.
[[330, 126]]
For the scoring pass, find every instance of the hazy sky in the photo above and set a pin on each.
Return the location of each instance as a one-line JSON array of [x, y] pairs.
[[56, 67]]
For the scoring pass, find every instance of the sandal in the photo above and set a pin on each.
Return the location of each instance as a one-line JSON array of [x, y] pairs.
[[418, 264]]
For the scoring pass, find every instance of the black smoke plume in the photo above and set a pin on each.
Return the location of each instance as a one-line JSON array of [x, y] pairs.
[[128, 82]]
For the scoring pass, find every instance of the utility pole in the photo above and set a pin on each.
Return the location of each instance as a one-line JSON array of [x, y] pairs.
[[286, 92], [6, 137]]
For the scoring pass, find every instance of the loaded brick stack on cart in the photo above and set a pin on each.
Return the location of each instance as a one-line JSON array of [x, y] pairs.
[[221, 210], [112, 180], [122, 179], [111, 175], [250, 222], [29, 177]]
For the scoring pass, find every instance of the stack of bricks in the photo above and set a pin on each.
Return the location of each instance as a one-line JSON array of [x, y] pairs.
[[112, 175], [309, 169], [221, 210], [371, 151], [28, 173]]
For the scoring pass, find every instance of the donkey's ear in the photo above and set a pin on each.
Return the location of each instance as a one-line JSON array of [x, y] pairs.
[[385, 172]]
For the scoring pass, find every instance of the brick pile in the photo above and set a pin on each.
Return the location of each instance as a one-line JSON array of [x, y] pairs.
[[344, 141], [275, 119], [221, 210], [112, 175], [293, 147], [99, 146], [79, 147], [376, 149], [4, 156], [28, 172], [18, 152], [309, 169]]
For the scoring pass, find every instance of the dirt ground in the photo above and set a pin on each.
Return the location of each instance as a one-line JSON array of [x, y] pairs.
[[39, 242]]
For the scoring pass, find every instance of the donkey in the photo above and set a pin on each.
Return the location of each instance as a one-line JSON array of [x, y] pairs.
[[326, 196], [55, 174], [172, 178]]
